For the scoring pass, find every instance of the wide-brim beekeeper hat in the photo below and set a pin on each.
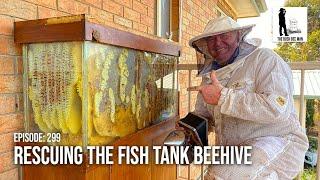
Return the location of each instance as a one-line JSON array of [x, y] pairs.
[[214, 27]]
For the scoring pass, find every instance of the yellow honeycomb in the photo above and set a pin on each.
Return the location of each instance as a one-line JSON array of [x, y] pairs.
[[122, 94], [133, 99], [53, 74], [124, 73]]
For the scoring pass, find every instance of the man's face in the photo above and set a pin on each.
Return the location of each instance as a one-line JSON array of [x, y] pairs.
[[222, 46]]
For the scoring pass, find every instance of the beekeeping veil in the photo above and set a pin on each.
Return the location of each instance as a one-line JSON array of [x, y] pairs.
[[214, 27]]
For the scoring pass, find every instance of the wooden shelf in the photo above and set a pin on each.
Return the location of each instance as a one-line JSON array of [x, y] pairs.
[[153, 135], [78, 28]]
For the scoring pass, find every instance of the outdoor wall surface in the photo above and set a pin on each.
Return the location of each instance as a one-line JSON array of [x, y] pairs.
[[195, 15], [137, 16]]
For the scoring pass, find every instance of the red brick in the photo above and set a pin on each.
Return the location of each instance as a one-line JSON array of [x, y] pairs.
[[97, 3], [140, 27], [7, 103], [127, 3], [139, 7], [8, 47], [19, 102], [122, 21], [152, 24], [131, 14], [147, 21], [101, 16], [11, 122], [150, 3], [7, 65], [190, 16], [46, 3], [6, 161], [18, 8], [189, 2], [186, 7], [186, 22], [10, 83], [19, 65], [194, 18], [6, 24], [113, 7], [151, 12], [198, 3], [73, 7], [7, 142], [12, 174], [48, 13], [135, 26], [151, 30]]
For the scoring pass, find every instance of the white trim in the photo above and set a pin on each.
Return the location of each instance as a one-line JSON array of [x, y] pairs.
[[159, 18], [180, 21], [219, 10], [170, 16]]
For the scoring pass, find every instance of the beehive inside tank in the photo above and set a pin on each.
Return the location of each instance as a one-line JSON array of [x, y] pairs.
[[101, 91]]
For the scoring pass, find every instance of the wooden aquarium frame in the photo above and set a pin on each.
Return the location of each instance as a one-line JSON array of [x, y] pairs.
[[78, 28], [153, 135]]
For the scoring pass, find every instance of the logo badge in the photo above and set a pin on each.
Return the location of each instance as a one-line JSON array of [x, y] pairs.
[[289, 24]]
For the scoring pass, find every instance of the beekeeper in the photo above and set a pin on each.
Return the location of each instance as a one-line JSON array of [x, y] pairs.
[[246, 94]]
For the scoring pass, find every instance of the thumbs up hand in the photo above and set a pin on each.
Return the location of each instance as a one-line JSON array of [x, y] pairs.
[[211, 92]]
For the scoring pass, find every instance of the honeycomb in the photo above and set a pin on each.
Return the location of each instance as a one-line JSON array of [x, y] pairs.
[[123, 90], [53, 75]]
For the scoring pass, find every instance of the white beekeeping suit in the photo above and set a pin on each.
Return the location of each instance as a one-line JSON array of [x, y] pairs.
[[255, 108]]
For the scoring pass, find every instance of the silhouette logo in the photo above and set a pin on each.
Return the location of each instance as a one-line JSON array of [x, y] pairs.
[[289, 24]]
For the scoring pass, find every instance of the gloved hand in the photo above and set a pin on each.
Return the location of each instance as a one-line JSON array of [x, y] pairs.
[[211, 92]]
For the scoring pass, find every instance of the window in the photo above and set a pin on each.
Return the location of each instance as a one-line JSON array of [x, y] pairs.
[[219, 12], [168, 19]]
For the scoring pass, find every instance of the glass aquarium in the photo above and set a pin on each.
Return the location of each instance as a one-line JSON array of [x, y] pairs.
[[95, 93]]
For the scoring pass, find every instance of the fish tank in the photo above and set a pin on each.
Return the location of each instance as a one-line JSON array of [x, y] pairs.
[[93, 92]]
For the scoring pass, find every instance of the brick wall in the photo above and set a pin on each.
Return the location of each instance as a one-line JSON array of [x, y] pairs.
[[195, 15], [137, 16]]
